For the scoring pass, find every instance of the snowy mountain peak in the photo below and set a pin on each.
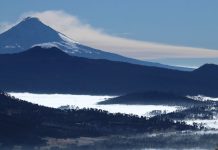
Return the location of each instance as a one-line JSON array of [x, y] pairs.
[[31, 19], [32, 32], [31, 23]]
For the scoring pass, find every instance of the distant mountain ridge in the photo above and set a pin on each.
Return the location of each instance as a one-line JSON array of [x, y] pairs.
[[153, 98], [50, 70], [32, 32]]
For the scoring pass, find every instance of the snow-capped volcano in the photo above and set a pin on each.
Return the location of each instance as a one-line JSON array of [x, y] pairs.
[[32, 32]]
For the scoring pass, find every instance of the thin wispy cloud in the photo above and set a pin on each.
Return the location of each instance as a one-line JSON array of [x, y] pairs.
[[5, 26], [86, 34]]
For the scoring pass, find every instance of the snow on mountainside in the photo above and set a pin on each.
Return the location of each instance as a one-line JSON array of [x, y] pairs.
[[32, 32]]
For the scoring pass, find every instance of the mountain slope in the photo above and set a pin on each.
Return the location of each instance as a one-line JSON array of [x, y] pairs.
[[50, 70], [31, 32], [152, 98]]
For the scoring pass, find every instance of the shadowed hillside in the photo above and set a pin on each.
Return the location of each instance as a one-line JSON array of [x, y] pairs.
[[153, 98], [50, 70]]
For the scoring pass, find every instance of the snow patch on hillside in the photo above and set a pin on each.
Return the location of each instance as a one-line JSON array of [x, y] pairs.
[[203, 98], [47, 45], [208, 123], [67, 39]]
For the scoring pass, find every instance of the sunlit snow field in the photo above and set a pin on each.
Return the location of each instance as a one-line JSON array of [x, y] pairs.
[[89, 101]]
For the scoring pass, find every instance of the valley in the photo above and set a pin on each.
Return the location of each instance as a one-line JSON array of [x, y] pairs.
[[57, 93]]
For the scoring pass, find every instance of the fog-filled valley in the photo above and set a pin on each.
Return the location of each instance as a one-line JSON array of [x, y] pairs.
[[108, 90], [203, 118]]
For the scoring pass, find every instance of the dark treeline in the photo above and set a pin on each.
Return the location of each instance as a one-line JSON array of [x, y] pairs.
[[196, 112], [26, 124]]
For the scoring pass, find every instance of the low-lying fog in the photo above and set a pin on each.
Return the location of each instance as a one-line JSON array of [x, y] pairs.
[[205, 139], [90, 101]]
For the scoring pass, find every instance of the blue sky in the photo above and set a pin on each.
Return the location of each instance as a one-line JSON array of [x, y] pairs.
[[190, 23]]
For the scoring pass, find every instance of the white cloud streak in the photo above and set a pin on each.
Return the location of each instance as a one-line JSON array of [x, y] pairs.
[[5, 26], [86, 34]]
